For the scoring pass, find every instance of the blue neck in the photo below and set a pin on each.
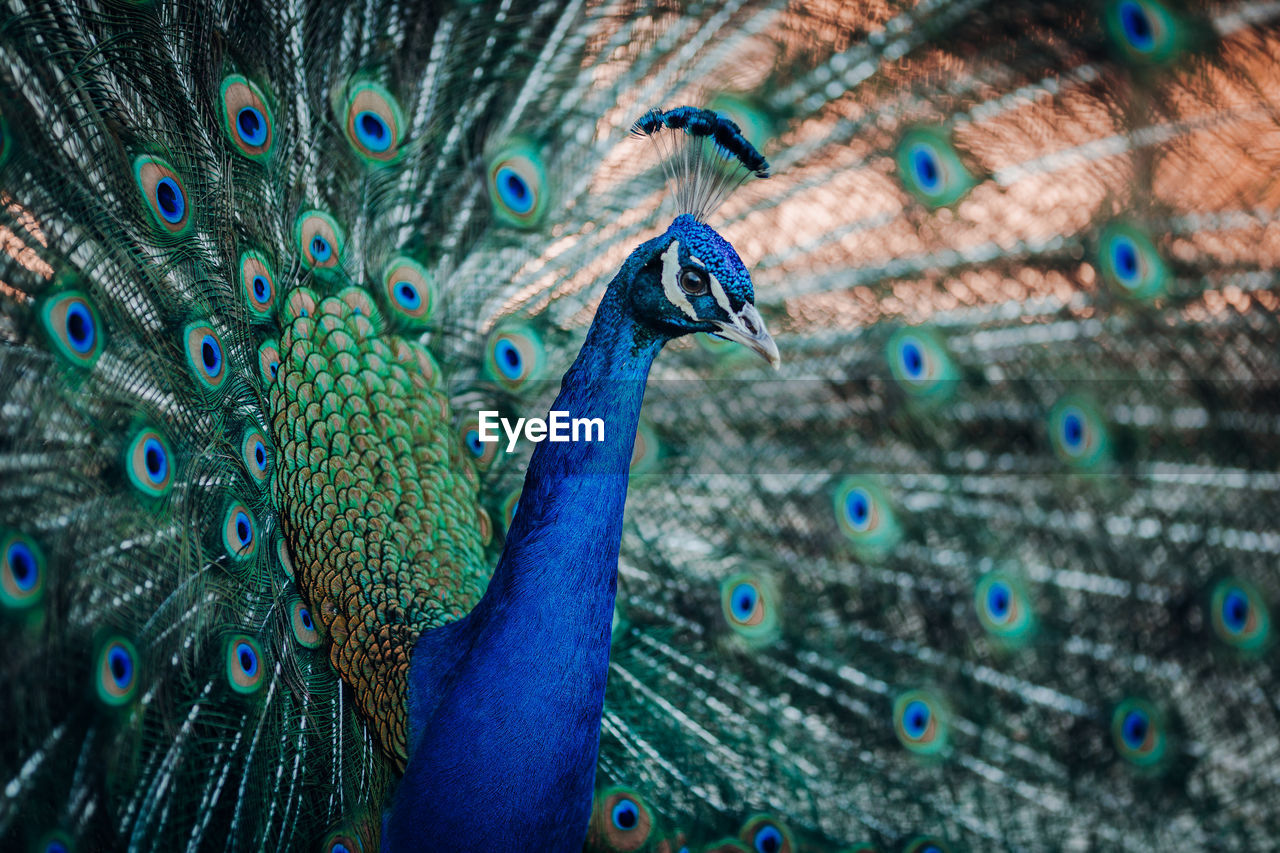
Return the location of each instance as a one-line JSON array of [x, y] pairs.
[[505, 704], [565, 536]]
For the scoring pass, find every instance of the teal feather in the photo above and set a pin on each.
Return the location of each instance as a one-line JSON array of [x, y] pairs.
[[1018, 470]]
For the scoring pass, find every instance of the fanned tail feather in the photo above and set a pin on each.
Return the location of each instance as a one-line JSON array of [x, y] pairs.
[[988, 565]]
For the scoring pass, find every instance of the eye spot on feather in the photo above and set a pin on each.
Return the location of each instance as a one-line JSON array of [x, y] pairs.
[[750, 605], [268, 362], [930, 168], [865, 518], [620, 821], [1130, 263], [245, 667], [625, 816], [282, 554], [170, 200], [518, 185], [23, 571], [301, 302], [920, 722], [255, 455], [428, 375], [1137, 731], [484, 526], [515, 356], [251, 126], [372, 131], [239, 533], [373, 122], [353, 302], [672, 841], [483, 452], [514, 190], [319, 241], [246, 118], [341, 842], [912, 360], [72, 324], [726, 845], [163, 191], [257, 284], [1125, 257], [1077, 433], [744, 601], [1137, 26], [920, 364], [1144, 32], [860, 510], [927, 844], [509, 505], [305, 629], [1239, 615], [205, 356], [764, 834], [926, 168], [407, 295], [1003, 608], [646, 453], [117, 672], [55, 842], [149, 463], [409, 292]]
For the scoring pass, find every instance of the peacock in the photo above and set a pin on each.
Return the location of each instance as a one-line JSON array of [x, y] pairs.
[[936, 356]]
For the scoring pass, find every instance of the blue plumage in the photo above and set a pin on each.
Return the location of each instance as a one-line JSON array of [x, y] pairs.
[[505, 703]]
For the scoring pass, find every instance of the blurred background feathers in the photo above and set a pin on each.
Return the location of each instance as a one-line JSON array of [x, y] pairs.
[[988, 565]]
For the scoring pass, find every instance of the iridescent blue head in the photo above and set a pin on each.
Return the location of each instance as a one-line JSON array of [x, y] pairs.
[[690, 279]]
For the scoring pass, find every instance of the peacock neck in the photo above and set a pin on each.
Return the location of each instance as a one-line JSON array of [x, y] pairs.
[[567, 529], [506, 703]]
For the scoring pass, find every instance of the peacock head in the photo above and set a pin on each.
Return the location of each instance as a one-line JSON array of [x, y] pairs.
[[691, 280]]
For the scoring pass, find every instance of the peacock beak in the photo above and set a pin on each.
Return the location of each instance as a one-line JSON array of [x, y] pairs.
[[747, 328]]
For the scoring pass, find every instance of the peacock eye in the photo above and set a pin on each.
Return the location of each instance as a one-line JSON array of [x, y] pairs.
[[693, 282]]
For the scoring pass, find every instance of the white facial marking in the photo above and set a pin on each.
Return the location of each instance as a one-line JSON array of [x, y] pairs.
[[722, 298], [739, 318], [671, 280]]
